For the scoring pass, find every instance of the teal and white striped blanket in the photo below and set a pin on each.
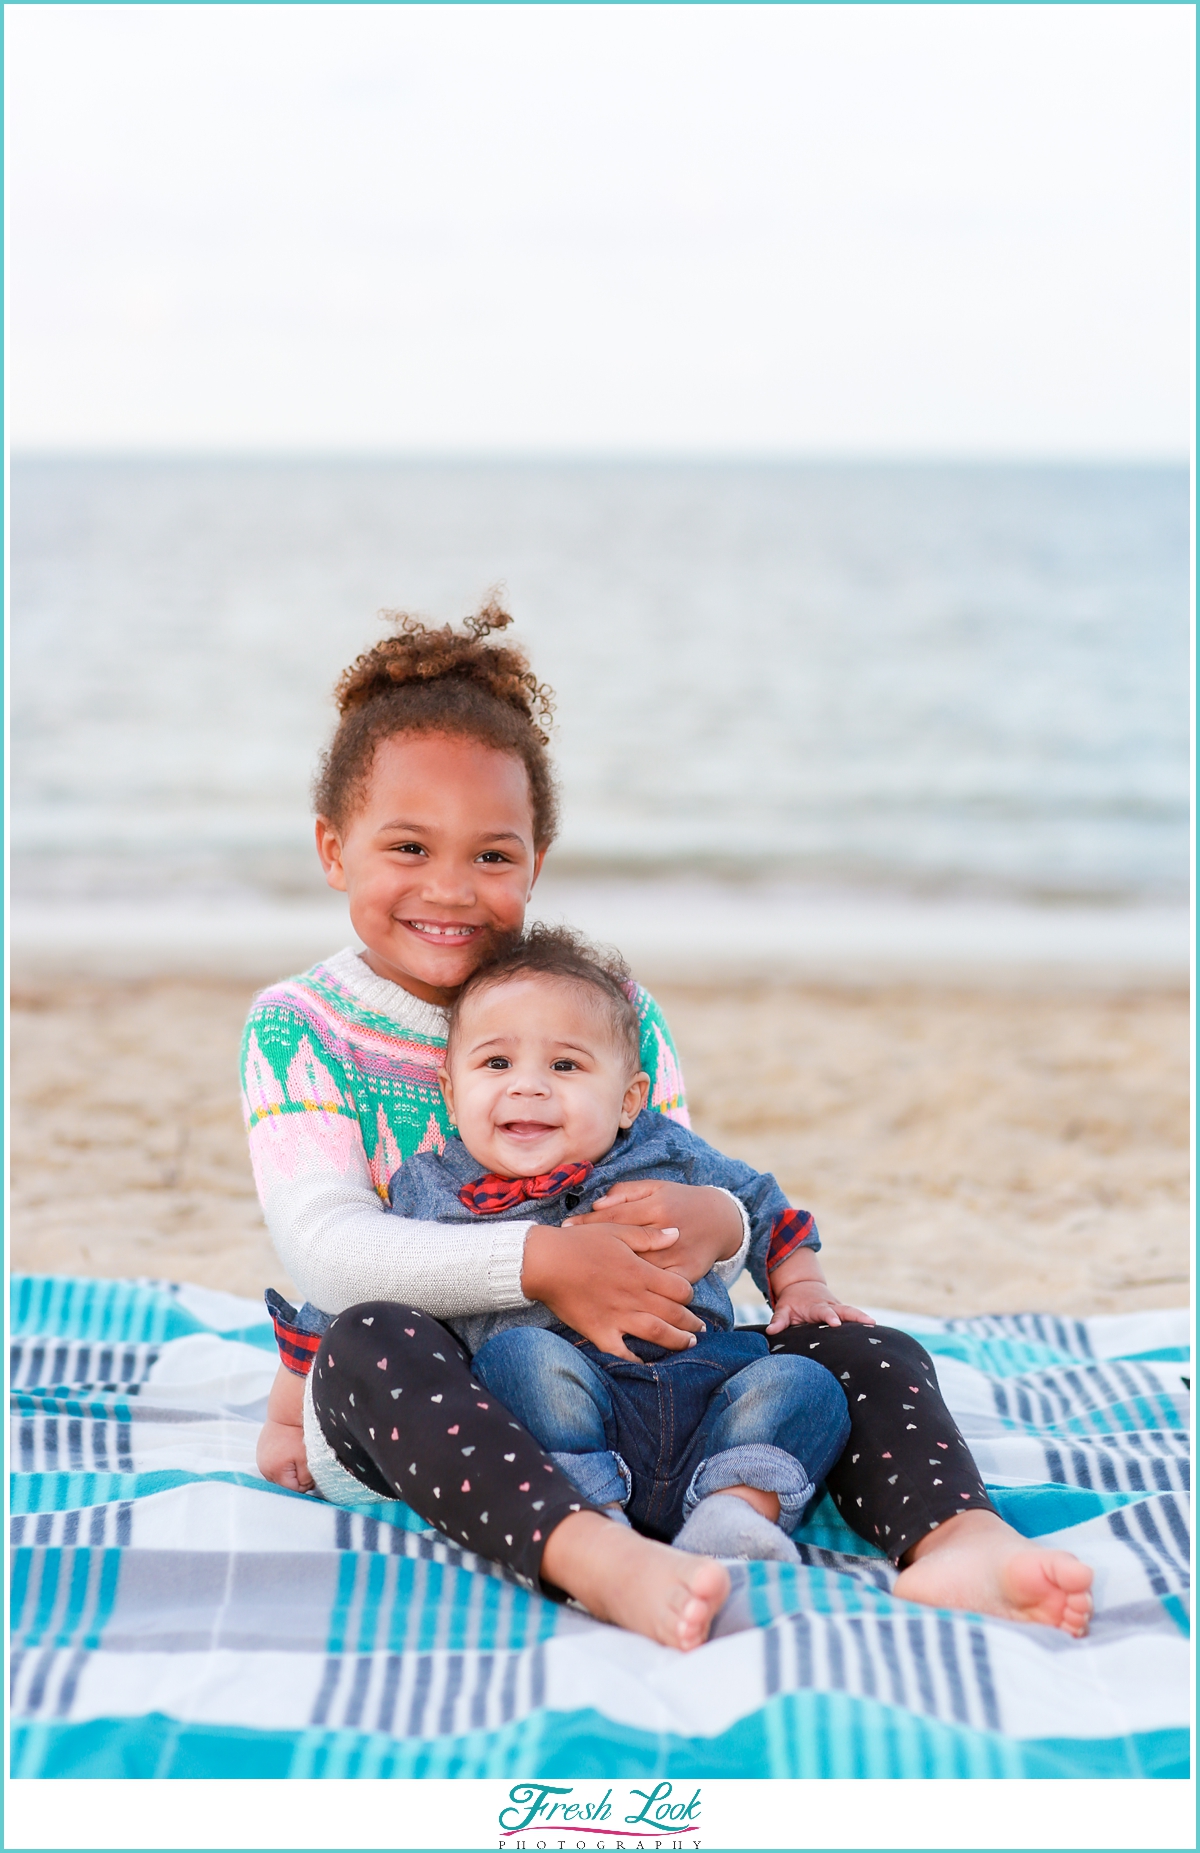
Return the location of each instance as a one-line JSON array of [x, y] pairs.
[[173, 1615]]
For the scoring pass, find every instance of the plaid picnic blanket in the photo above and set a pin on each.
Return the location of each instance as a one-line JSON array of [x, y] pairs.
[[174, 1615]]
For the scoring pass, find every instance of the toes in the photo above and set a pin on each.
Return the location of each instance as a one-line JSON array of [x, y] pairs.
[[1070, 1573], [692, 1626], [1077, 1615]]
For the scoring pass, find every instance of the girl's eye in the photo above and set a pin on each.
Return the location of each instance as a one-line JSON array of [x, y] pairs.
[[410, 849], [492, 855]]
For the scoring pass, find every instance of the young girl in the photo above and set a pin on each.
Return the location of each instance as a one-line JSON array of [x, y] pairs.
[[436, 805]]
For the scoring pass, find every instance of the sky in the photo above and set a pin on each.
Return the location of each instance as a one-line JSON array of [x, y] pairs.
[[634, 229]]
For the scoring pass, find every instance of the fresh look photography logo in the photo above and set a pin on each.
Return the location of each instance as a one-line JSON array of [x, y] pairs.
[[570, 1814]]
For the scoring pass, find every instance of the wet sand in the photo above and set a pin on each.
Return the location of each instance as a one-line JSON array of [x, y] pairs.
[[964, 1148]]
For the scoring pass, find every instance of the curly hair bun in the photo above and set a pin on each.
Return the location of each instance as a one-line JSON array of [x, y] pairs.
[[420, 653], [440, 681]]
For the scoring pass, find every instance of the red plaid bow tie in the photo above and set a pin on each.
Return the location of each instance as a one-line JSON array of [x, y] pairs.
[[489, 1194]]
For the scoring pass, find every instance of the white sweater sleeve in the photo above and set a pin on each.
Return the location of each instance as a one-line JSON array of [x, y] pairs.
[[728, 1271], [340, 1244]]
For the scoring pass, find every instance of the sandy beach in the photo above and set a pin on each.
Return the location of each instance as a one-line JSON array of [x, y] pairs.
[[965, 1148]]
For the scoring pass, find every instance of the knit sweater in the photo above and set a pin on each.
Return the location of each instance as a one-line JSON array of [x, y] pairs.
[[339, 1088]]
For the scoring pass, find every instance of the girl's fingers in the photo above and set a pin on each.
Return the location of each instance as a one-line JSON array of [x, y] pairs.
[[672, 1286], [642, 1238], [610, 1209], [646, 1240], [613, 1345], [627, 1193], [658, 1332], [678, 1316]]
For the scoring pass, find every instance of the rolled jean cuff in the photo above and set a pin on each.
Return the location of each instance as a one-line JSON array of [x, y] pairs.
[[757, 1464], [601, 1476]]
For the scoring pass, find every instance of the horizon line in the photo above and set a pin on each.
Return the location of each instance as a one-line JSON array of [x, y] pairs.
[[531, 455]]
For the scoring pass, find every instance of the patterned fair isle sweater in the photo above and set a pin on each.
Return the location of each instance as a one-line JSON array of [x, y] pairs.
[[339, 1088]]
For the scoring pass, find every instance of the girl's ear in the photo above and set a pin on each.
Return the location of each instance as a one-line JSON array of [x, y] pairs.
[[636, 1095], [447, 1087], [329, 848], [538, 859]]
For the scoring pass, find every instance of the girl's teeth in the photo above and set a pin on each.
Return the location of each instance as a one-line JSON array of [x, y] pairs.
[[442, 932]]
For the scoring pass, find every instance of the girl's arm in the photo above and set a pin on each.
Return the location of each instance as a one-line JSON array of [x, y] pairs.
[[340, 1244], [331, 1229]]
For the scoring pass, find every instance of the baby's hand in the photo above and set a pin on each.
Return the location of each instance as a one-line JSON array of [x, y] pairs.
[[281, 1457], [810, 1302]]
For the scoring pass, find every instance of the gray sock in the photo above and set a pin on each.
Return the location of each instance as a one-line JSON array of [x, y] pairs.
[[617, 1514], [725, 1526]]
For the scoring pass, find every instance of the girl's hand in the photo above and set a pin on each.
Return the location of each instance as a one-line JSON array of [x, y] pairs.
[[809, 1302], [598, 1286], [706, 1220]]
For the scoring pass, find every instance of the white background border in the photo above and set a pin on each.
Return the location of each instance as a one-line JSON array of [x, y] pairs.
[[408, 1813]]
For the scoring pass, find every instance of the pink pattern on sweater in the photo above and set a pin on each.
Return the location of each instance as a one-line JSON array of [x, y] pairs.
[[386, 1157], [668, 1096], [309, 1082], [284, 1146], [434, 1139]]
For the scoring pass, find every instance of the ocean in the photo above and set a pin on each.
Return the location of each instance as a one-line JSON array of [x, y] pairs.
[[955, 687]]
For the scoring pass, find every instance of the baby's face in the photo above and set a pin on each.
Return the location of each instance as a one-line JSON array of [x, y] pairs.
[[538, 1077]]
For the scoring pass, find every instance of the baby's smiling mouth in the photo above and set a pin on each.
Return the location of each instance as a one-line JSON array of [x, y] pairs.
[[527, 1129]]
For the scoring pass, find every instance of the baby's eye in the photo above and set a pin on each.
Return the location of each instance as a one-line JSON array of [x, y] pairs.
[[497, 1062], [564, 1066]]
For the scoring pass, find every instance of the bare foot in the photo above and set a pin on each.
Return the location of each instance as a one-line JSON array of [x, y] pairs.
[[976, 1561], [621, 1577]]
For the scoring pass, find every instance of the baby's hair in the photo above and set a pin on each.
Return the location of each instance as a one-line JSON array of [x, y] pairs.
[[557, 952], [424, 680]]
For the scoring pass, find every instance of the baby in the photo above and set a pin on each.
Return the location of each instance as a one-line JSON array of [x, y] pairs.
[[717, 1448]]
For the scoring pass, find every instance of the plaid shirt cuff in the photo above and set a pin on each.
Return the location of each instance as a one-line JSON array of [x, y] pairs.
[[792, 1229], [297, 1349]]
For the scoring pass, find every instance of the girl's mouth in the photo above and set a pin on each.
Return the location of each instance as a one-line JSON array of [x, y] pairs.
[[449, 932]]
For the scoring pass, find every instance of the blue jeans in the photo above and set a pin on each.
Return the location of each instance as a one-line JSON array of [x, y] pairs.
[[658, 1437]]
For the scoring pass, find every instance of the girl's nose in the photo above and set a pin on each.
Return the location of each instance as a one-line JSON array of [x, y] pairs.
[[449, 884]]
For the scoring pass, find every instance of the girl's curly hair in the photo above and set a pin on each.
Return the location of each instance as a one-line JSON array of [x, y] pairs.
[[440, 681]]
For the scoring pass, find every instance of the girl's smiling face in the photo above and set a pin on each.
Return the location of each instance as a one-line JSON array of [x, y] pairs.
[[438, 859]]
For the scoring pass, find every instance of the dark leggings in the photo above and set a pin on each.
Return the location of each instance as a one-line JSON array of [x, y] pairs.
[[905, 1469], [393, 1392]]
